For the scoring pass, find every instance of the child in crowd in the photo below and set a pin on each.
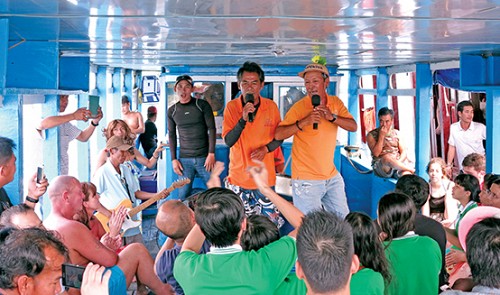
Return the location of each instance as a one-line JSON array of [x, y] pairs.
[[373, 266], [466, 192], [260, 232], [415, 261]]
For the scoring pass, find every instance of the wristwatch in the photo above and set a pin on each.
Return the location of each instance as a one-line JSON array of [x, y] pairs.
[[334, 118]]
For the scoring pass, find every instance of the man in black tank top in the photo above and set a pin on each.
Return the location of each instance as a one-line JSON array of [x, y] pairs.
[[194, 120]]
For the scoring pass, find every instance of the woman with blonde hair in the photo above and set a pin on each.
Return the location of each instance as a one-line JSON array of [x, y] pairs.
[[120, 128], [440, 206]]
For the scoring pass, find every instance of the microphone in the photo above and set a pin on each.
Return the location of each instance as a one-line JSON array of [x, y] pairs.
[[249, 99], [316, 101]]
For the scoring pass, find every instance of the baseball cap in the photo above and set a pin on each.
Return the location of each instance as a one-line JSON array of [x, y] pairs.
[[315, 67], [117, 142], [152, 110], [184, 78]]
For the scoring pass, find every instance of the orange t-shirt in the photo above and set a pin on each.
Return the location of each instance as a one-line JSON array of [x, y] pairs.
[[255, 134], [279, 158], [313, 150]]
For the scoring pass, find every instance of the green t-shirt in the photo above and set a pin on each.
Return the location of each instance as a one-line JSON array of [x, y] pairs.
[[236, 272], [415, 263], [291, 286], [367, 282], [461, 214]]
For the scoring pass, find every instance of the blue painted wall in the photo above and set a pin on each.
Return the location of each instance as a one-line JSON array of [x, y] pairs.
[[358, 186], [382, 86], [33, 65], [353, 105], [493, 126], [423, 118], [4, 37], [11, 127], [364, 190], [74, 73]]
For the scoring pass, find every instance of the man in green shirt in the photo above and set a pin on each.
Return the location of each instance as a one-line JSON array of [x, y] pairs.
[[226, 269], [326, 259]]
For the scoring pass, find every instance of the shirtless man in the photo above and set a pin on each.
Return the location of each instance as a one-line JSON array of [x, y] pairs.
[[134, 119], [66, 196]]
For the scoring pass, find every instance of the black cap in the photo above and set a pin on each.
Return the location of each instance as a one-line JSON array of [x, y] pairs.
[[183, 78]]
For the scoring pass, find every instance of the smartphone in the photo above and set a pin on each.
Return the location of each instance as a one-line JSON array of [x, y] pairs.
[[72, 275], [161, 153], [93, 105], [39, 174]]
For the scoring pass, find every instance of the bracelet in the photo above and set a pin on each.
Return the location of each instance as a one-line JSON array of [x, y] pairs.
[[92, 122], [297, 124], [30, 199]]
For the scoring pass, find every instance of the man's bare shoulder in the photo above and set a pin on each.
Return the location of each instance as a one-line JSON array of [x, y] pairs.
[[372, 133], [65, 227]]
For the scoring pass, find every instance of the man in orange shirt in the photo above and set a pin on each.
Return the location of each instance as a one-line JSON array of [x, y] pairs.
[[315, 180], [248, 129]]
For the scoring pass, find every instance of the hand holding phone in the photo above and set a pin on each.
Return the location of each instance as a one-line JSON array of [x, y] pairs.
[[72, 275], [39, 174], [95, 280], [93, 105]]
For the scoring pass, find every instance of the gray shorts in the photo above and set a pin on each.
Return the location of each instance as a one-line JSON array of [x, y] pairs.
[[378, 169]]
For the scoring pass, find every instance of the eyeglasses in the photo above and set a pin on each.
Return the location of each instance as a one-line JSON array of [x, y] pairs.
[[489, 192]]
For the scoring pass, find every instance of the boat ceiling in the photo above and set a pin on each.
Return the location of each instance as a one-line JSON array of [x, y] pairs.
[[147, 34]]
